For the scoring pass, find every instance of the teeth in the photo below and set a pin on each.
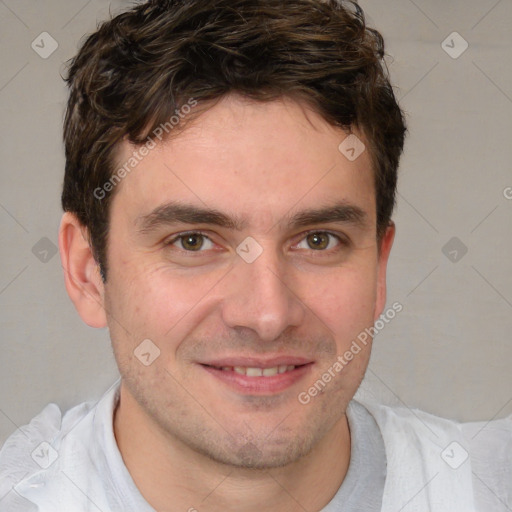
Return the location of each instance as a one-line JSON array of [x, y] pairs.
[[259, 372], [269, 372]]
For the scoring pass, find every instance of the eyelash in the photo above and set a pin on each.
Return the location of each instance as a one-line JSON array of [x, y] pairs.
[[343, 242]]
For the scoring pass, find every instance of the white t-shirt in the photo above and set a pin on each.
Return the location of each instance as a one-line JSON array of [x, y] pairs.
[[72, 463]]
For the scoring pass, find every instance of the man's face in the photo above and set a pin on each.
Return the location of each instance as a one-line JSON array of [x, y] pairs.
[[210, 305]]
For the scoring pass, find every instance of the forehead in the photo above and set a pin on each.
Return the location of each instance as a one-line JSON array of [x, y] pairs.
[[257, 159]]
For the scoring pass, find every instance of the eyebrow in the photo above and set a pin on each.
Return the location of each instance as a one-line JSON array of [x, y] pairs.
[[175, 212]]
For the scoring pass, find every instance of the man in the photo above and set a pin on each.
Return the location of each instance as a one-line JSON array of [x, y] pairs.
[[230, 180]]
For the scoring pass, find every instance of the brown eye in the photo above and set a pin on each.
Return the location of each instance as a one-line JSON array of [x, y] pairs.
[[321, 241], [318, 241], [191, 242]]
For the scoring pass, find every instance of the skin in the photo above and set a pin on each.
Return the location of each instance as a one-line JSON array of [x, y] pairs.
[[187, 439]]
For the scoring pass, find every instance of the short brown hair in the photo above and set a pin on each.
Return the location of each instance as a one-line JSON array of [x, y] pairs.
[[143, 65]]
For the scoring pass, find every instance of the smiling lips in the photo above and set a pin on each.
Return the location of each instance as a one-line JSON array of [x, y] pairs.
[[258, 372], [257, 376], [258, 367]]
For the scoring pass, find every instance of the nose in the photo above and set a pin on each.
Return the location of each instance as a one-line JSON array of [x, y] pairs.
[[261, 297]]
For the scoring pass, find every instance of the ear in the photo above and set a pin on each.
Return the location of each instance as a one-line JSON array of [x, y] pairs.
[[81, 271], [385, 248]]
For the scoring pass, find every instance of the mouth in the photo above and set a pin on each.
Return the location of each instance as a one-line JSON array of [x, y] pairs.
[[253, 371], [259, 378]]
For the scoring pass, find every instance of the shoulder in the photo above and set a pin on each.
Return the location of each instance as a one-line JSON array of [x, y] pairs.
[[473, 456], [481, 438], [33, 448], [490, 448]]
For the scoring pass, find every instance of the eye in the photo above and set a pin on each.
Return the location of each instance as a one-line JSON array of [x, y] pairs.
[[192, 242], [321, 241]]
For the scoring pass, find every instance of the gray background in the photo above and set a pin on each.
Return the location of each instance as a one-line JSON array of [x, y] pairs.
[[447, 352]]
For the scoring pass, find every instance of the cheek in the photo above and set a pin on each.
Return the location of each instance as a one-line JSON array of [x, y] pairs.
[[344, 300], [160, 303]]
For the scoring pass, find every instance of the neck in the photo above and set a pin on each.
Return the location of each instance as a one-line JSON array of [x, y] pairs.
[[167, 471]]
